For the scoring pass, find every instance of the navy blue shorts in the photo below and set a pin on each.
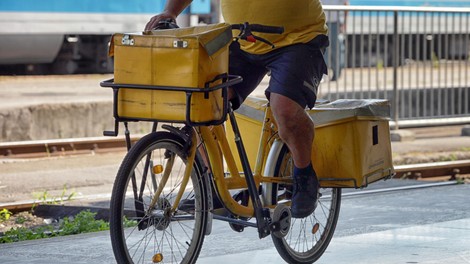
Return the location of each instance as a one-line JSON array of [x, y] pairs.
[[296, 71]]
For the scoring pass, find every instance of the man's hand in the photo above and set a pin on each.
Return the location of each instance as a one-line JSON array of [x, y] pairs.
[[153, 23], [172, 9]]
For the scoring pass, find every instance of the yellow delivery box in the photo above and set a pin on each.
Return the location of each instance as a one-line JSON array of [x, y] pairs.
[[352, 145], [181, 62]]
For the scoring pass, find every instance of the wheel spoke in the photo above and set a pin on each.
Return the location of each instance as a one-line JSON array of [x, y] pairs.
[[158, 232], [308, 237]]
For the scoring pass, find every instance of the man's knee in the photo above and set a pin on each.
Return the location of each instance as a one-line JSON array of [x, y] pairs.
[[291, 117]]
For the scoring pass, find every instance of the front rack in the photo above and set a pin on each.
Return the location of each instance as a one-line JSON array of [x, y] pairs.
[[226, 81]]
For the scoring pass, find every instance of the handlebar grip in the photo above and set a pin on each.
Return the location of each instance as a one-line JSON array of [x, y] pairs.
[[237, 26], [266, 29], [109, 133]]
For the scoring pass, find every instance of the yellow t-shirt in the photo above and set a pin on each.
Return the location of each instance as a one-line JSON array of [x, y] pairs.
[[302, 20]]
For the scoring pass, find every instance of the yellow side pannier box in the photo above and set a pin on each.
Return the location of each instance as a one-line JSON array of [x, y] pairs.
[[352, 146], [177, 58]]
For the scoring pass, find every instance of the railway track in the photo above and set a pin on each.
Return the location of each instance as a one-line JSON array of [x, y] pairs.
[[448, 172], [451, 169], [73, 146]]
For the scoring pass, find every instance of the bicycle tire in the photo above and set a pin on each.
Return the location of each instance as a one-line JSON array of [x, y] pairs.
[[308, 237], [155, 235]]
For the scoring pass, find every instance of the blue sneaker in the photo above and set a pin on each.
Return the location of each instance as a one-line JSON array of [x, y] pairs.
[[305, 195]]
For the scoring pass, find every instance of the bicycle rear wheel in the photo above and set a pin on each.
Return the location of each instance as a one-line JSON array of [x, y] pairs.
[[308, 237], [140, 234]]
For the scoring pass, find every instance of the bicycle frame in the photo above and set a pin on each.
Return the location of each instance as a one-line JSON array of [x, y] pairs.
[[215, 140]]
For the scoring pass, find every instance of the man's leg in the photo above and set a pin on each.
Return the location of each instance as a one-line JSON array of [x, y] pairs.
[[296, 129]]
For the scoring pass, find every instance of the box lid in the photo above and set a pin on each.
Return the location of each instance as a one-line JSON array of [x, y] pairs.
[[212, 37], [327, 113], [344, 109]]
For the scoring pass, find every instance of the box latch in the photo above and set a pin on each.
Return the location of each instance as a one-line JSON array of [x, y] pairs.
[[180, 44], [126, 40]]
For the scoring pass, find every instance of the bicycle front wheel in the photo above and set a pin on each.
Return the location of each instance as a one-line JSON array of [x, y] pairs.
[[308, 237], [140, 234]]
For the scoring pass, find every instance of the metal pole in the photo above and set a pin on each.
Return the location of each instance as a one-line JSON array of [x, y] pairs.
[[395, 68]]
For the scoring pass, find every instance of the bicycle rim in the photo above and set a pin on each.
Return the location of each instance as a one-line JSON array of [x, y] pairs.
[[308, 237], [140, 234]]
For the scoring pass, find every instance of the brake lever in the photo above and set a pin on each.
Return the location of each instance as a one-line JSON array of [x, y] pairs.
[[246, 34], [264, 41]]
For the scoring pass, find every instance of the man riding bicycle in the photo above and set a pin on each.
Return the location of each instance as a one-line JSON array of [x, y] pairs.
[[296, 67]]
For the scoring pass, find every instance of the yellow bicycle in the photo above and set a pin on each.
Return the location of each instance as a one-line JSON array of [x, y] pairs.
[[162, 204]]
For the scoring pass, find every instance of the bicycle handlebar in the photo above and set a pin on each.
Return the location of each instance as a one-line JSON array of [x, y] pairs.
[[259, 28], [246, 32]]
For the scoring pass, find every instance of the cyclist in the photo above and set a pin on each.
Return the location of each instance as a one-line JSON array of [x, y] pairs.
[[296, 66]]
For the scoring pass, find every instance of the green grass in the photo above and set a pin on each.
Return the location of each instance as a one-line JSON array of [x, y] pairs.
[[83, 222]]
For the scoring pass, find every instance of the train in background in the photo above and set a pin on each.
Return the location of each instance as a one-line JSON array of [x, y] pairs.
[[70, 36], [421, 3], [426, 30]]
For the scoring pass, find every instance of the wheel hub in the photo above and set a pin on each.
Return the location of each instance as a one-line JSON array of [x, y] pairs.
[[161, 215]]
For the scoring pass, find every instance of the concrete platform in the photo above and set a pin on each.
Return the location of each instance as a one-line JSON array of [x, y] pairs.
[[445, 242], [425, 225], [440, 243], [51, 107]]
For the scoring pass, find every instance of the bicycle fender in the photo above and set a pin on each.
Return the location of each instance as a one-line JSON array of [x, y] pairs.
[[273, 154]]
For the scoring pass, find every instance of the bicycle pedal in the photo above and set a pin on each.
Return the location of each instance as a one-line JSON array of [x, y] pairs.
[[243, 198], [236, 227]]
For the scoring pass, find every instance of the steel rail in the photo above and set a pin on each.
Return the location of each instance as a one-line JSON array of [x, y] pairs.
[[435, 169], [399, 188], [71, 146]]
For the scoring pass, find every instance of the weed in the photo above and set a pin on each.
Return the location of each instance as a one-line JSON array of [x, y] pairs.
[[83, 222], [450, 157], [21, 220], [129, 223], [4, 215], [44, 198], [453, 157]]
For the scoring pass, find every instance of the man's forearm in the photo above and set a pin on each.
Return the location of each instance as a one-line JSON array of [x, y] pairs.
[[175, 7]]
